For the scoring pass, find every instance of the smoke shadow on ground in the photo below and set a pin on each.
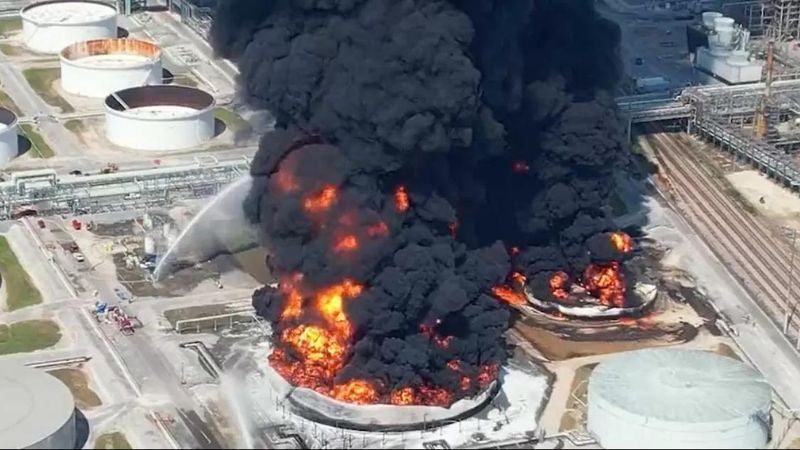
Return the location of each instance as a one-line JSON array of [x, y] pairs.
[[82, 429], [23, 144], [167, 76], [219, 127]]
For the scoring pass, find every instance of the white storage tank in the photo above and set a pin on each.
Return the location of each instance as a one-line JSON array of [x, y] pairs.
[[149, 245], [159, 118], [671, 398], [9, 141], [99, 67], [49, 26], [38, 410]]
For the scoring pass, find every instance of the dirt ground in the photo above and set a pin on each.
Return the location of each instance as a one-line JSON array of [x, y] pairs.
[[78, 383], [780, 204]]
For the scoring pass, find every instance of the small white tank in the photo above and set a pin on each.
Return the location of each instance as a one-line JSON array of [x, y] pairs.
[[147, 221], [149, 245], [723, 26], [708, 19]]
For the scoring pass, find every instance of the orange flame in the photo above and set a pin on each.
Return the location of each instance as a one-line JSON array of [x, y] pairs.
[[346, 244], [360, 392], [519, 278], [520, 167], [401, 201], [621, 241], [286, 181], [379, 229], [606, 283], [322, 201], [453, 227], [466, 383], [509, 295], [487, 373], [403, 396], [558, 285], [435, 396]]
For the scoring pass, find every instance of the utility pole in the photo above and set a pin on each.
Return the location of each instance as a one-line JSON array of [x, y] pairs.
[[790, 312]]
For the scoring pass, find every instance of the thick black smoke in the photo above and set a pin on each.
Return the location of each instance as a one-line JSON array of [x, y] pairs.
[[496, 115]]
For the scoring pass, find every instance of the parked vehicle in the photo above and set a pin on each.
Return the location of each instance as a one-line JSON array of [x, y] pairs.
[[41, 223], [79, 257]]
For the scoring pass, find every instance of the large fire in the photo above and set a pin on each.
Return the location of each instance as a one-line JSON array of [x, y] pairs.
[[315, 341], [622, 242], [604, 282]]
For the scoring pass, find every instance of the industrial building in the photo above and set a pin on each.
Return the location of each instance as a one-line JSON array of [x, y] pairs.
[[99, 67], [158, 118], [9, 140], [727, 55], [38, 410], [51, 25], [687, 398]]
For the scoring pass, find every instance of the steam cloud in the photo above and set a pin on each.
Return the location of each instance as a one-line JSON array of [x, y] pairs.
[[497, 118]]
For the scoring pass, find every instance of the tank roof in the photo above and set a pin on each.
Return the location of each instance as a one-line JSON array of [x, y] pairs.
[[160, 95], [676, 385], [66, 12], [35, 405]]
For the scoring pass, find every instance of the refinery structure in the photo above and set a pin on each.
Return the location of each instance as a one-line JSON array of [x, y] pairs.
[[163, 238]]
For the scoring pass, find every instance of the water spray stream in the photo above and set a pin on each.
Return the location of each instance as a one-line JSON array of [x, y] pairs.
[[213, 239], [235, 398]]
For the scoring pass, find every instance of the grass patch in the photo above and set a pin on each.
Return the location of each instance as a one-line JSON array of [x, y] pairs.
[[10, 50], [112, 441], [232, 120], [10, 25], [28, 335], [75, 125], [39, 147], [41, 80], [575, 413], [78, 384], [794, 444], [19, 288], [7, 102], [185, 80]]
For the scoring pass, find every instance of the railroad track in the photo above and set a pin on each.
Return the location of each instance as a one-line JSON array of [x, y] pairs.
[[737, 237]]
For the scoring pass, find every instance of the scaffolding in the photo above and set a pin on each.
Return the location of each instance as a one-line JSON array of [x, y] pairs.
[[47, 193], [781, 19]]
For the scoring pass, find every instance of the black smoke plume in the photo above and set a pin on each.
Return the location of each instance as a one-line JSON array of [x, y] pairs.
[[497, 117]]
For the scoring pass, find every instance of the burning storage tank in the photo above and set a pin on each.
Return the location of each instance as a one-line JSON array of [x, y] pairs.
[[683, 398], [159, 117], [9, 141], [38, 410], [98, 67], [49, 26]]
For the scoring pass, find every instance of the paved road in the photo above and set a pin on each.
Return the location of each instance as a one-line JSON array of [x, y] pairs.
[[31, 104], [749, 251]]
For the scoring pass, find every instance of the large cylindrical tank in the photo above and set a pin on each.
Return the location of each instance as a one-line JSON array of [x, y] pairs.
[[708, 19], [679, 399], [99, 67], [159, 118], [149, 245], [49, 26], [38, 410], [9, 141]]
